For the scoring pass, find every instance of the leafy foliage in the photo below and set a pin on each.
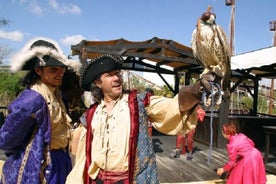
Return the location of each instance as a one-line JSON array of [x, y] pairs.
[[262, 105], [247, 101], [9, 87], [4, 49], [4, 52]]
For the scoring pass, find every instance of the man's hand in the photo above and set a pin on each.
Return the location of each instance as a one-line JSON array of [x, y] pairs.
[[220, 171]]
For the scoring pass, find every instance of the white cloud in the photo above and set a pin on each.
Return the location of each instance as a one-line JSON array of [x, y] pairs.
[[13, 35], [33, 5], [75, 9], [35, 8], [72, 40], [20, 1], [62, 9], [53, 4]]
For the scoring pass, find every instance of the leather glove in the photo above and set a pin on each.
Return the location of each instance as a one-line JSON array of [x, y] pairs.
[[211, 84], [189, 96], [206, 79]]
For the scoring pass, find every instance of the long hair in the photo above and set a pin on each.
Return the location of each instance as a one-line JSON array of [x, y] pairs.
[[96, 93], [71, 89], [30, 78], [72, 92]]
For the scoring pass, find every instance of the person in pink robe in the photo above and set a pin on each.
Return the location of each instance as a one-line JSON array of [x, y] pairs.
[[245, 164]]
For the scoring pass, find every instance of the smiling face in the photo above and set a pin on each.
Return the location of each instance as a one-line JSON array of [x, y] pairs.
[[111, 84], [51, 75]]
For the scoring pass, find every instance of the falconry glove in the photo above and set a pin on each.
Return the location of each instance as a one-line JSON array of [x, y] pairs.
[[191, 95], [211, 91]]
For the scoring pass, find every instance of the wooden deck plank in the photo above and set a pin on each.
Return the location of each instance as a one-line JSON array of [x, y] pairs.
[[173, 170]]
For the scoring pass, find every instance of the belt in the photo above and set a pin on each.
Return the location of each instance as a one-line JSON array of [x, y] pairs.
[[108, 177], [61, 149]]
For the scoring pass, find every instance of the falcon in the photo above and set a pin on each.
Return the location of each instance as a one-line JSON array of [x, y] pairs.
[[211, 48]]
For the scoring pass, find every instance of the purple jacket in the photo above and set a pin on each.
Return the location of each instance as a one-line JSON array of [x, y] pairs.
[[26, 119]]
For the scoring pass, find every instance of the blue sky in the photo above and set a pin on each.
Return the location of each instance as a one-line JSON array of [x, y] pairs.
[[70, 21]]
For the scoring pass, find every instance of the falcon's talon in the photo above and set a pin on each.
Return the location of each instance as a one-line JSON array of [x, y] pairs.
[[212, 98]]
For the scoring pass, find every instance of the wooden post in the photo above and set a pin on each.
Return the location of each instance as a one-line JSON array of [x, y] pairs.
[[271, 97], [232, 27], [83, 56], [255, 97], [225, 104], [271, 101]]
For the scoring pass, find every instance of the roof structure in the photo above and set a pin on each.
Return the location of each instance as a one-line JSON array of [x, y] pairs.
[[163, 53], [260, 63], [254, 65]]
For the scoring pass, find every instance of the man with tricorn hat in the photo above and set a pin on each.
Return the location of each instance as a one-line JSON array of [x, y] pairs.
[[35, 133], [115, 146]]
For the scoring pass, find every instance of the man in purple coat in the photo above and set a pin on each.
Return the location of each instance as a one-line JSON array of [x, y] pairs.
[[35, 134]]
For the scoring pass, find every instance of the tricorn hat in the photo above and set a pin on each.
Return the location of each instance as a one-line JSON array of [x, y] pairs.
[[97, 66], [41, 52]]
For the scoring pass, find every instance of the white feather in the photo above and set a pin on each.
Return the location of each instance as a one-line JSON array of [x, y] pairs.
[[25, 54]]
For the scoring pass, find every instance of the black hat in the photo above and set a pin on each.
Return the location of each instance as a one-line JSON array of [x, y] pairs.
[[41, 52], [40, 62], [97, 66]]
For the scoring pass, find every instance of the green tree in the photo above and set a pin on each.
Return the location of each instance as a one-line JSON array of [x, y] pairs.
[[4, 52], [9, 87], [247, 102], [262, 105], [4, 49], [167, 92]]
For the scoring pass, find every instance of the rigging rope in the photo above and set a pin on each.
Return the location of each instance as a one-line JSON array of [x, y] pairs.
[[213, 94], [211, 125]]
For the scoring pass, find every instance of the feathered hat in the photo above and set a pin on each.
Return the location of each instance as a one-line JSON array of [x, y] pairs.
[[41, 52], [97, 66]]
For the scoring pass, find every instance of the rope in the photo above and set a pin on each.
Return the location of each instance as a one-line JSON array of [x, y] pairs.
[[211, 125], [212, 114]]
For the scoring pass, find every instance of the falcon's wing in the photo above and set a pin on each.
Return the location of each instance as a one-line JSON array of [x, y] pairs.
[[194, 46], [224, 43], [226, 65], [223, 39]]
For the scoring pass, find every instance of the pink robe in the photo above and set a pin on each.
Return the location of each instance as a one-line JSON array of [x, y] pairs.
[[245, 161]]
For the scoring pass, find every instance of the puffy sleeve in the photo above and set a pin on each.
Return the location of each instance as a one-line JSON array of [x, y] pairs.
[[20, 122], [232, 157], [167, 118]]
